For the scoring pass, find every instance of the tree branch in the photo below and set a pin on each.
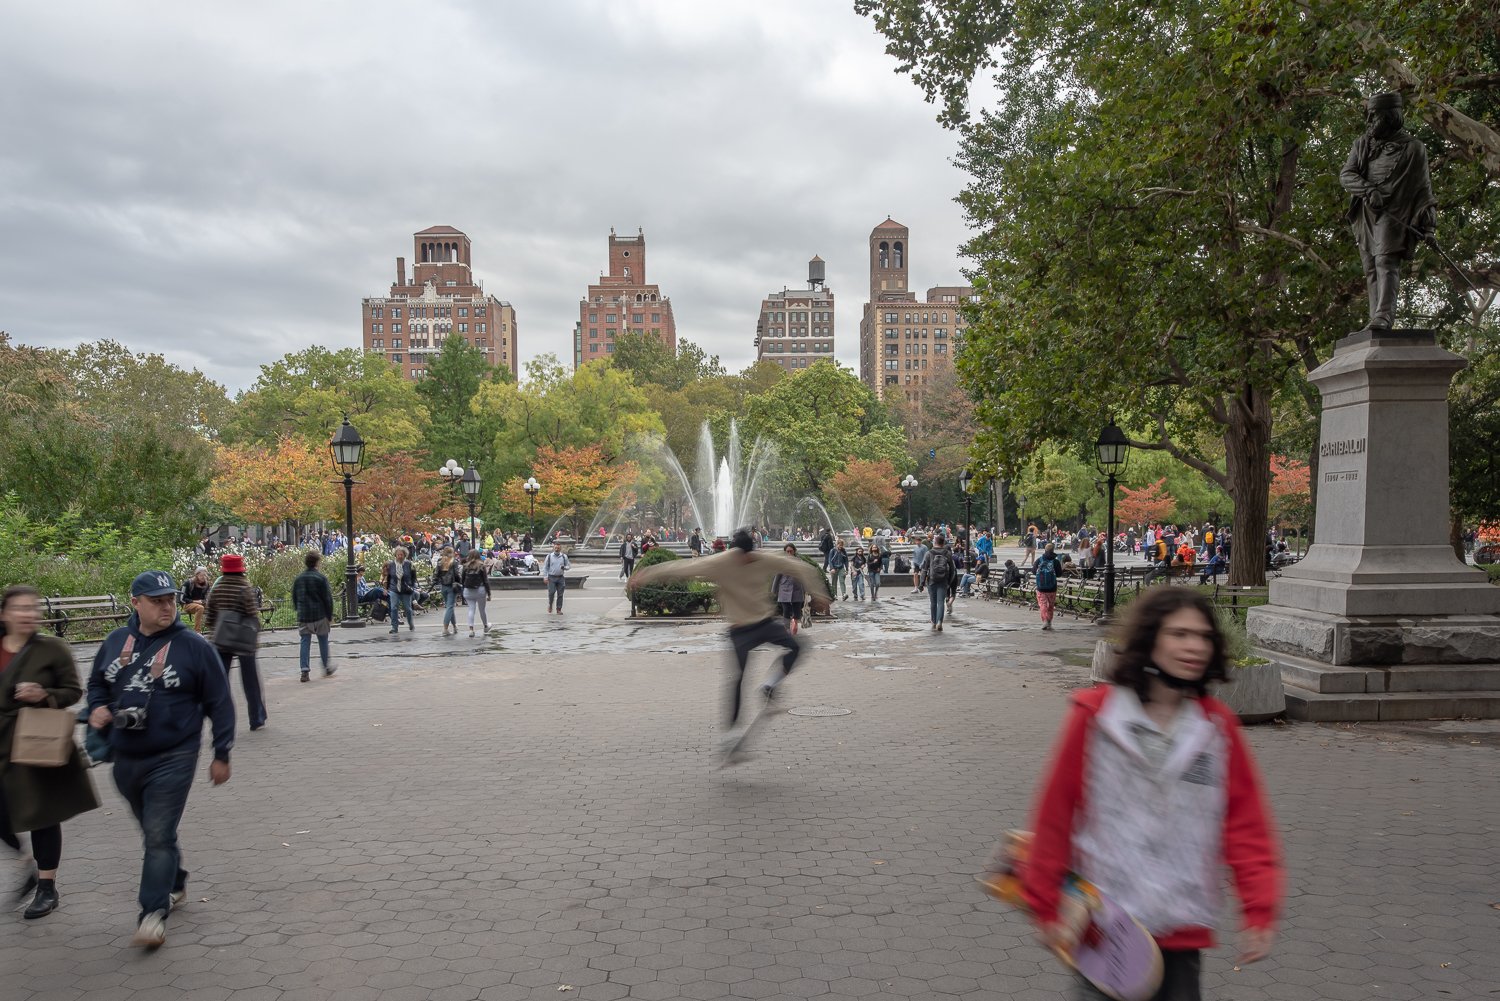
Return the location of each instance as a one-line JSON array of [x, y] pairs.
[[1250, 227], [1164, 443]]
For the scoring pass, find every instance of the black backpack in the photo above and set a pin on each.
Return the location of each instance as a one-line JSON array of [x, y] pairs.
[[940, 568]]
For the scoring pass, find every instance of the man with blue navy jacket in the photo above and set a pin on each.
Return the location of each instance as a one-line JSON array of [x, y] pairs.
[[153, 683]]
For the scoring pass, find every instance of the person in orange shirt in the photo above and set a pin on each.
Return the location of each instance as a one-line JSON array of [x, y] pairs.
[[1186, 553]]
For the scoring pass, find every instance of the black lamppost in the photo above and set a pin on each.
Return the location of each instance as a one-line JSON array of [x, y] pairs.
[[965, 480], [908, 484], [532, 488], [452, 473], [471, 484], [348, 450], [1112, 448]]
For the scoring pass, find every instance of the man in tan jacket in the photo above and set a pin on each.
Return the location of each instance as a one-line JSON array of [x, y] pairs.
[[743, 575]]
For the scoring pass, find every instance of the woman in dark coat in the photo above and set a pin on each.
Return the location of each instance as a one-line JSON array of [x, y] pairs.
[[37, 671], [233, 591]]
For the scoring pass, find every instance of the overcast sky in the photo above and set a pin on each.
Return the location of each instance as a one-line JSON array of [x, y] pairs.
[[223, 183]]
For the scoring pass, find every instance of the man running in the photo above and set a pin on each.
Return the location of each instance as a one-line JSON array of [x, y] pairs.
[[743, 575]]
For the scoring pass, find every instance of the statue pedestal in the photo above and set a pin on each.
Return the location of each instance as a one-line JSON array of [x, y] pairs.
[[1380, 620]]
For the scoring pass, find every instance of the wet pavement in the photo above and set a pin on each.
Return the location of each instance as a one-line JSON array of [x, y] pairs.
[[540, 812]]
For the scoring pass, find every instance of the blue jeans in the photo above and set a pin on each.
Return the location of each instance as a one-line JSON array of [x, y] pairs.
[[307, 651], [400, 602], [966, 585], [450, 598], [555, 588], [857, 578], [874, 576], [937, 595], [156, 788]]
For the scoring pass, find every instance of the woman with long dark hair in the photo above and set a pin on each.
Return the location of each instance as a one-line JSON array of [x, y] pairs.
[[36, 670], [1151, 794]]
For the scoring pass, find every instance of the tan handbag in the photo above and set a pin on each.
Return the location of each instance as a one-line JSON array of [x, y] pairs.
[[43, 737]]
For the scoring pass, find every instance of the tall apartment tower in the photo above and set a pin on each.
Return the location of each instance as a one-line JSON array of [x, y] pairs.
[[904, 341], [443, 298], [622, 302], [795, 326]]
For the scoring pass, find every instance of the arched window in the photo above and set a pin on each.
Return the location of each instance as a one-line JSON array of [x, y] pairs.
[[885, 254], [627, 271], [900, 255]]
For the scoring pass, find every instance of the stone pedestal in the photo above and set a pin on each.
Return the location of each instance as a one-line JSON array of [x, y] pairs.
[[1381, 590]]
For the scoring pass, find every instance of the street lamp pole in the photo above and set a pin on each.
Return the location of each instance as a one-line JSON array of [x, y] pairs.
[[966, 480], [532, 488], [348, 454], [452, 473], [471, 483], [908, 484], [1112, 448]]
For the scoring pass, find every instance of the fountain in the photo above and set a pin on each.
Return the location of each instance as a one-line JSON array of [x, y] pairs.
[[723, 492]]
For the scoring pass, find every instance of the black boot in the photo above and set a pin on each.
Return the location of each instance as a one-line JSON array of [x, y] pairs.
[[45, 901]]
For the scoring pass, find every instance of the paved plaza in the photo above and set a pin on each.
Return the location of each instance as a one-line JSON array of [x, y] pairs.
[[540, 814]]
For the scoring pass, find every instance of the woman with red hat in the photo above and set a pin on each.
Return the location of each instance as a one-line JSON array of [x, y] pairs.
[[233, 592]]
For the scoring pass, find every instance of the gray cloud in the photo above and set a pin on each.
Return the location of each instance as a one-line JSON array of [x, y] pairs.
[[223, 183]]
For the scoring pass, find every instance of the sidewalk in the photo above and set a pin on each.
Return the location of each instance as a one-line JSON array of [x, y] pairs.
[[504, 818]]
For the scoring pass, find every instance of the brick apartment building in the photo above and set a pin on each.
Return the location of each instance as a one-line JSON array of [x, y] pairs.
[[795, 326], [903, 340], [622, 301], [409, 325]]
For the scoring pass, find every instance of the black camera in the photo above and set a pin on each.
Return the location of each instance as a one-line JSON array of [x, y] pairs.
[[131, 718]]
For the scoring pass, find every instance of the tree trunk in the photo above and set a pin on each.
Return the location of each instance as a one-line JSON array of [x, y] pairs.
[[1456, 536], [1247, 449]]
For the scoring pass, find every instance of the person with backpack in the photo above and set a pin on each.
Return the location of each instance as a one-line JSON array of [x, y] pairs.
[[1152, 793], [312, 597], [941, 574], [400, 587], [838, 562], [1049, 567], [475, 581]]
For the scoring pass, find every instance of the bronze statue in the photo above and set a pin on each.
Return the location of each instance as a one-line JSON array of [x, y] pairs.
[[1392, 208]]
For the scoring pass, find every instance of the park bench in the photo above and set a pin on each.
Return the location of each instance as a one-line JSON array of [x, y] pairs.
[[78, 612]]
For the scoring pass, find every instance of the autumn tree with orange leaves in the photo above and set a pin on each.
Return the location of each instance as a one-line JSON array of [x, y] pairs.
[[395, 494], [1149, 504], [292, 481], [575, 481], [868, 490], [1291, 492]]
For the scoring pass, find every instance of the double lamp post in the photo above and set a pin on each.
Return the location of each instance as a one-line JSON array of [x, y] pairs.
[[471, 481]]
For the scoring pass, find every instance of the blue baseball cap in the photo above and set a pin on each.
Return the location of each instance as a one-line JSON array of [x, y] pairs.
[[152, 584]]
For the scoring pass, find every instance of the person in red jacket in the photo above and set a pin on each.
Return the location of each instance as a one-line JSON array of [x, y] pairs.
[[1151, 793]]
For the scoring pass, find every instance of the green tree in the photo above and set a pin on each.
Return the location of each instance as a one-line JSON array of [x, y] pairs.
[[454, 375], [595, 405], [818, 419], [1188, 264], [649, 360], [1474, 442], [308, 393]]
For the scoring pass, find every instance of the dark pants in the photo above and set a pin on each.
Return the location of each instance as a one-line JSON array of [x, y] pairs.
[[250, 678], [1181, 969], [46, 842], [747, 638], [1382, 278], [627, 566], [157, 790], [555, 588]]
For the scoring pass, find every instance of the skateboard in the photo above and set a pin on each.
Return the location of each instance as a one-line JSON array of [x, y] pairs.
[[1114, 952], [735, 754]]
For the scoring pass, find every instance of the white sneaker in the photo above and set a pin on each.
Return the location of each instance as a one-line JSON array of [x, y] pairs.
[[152, 931], [178, 898]]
